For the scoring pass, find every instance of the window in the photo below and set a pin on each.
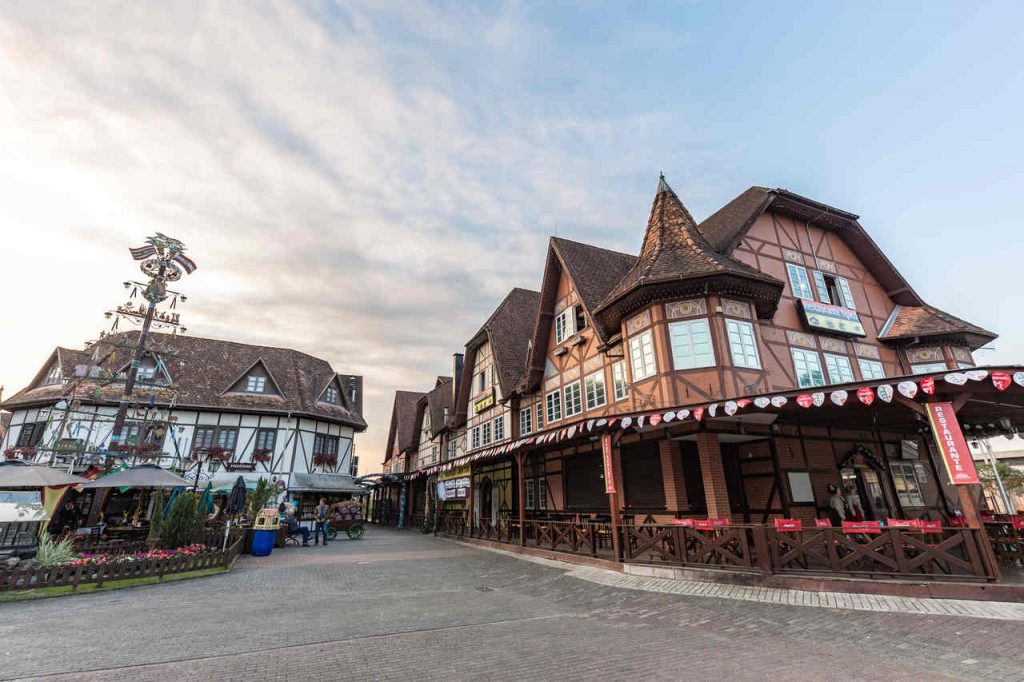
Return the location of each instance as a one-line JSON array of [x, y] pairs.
[[146, 374], [641, 354], [143, 434], [255, 384], [573, 399], [31, 434], [562, 324], [542, 493], [485, 433], [475, 437], [621, 388], [905, 482], [554, 404], [595, 390], [525, 420], [743, 344], [808, 368], [265, 439], [822, 287], [691, 344], [540, 416], [499, 427], [839, 370], [226, 438], [203, 438], [800, 488], [798, 281], [325, 446], [871, 369], [53, 376], [928, 367], [529, 490], [580, 318], [480, 382], [331, 395], [452, 445], [846, 294]]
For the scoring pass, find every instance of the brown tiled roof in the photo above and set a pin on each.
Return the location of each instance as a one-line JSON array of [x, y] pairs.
[[202, 370], [733, 219], [403, 422], [437, 400], [594, 271], [925, 321], [674, 250], [509, 330]]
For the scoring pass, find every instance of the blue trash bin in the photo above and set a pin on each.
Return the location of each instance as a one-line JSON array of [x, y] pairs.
[[263, 542]]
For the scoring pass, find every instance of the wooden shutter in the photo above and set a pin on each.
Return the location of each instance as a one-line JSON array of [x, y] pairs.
[[641, 469], [583, 483]]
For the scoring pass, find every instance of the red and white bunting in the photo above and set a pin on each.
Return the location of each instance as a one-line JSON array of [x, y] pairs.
[[682, 414], [627, 422], [779, 401], [865, 395], [698, 413], [956, 378], [907, 389], [804, 400], [571, 432], [712, 409], [839, 397], [655, 419], [640, 421], [762, 402], [928, 385], [669, 416], [818, 399], [885, 393], [731, 407], [1018, 378], [1001, 380], [742, 402], [976, 374]]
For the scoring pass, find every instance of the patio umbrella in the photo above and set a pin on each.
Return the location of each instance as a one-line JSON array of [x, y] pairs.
[[170, 500], [235, 506], [206, 500], [141, 476], [19, 474]]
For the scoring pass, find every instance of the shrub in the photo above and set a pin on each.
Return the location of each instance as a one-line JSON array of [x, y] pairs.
[[260, 497], [156, 521], [54, 552], [183, 525]]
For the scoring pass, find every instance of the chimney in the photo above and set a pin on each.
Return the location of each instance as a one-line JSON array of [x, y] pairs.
[[456, 376]]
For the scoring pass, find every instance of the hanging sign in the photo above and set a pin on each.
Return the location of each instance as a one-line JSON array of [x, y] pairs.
[[950, 438], [484, 403], [686, 523], [609, 470], [789, 524], [831, 318], [822, 523], [870, 527]]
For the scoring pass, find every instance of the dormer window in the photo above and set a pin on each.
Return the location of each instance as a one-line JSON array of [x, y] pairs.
[[568, 322], [331, 395], [255, 384], [54, 376]]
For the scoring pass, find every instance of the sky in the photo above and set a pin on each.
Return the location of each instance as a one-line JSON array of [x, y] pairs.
[[366, 181]]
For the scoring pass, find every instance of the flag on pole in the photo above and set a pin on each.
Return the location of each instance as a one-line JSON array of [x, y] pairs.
[[143, 252], [187, 263]]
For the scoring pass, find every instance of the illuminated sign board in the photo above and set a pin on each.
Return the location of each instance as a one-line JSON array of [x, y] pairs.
[[484, 403], [831, 318]]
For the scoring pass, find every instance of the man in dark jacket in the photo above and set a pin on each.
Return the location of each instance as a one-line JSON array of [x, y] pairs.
[[320, 515], [292, 527]]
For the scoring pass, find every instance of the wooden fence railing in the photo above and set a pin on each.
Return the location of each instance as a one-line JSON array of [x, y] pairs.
[[99, 574], [1007, 543]]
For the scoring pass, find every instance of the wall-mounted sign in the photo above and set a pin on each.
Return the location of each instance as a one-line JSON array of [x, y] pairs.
[[485, 403], [952, 445], [240, 466], [609, 469], [831, 318], [456, 488]]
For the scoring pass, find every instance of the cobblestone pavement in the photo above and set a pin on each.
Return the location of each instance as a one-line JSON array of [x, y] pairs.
[[398, 605]]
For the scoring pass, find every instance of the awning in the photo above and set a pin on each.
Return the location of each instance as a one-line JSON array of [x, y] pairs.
[[327, 483]]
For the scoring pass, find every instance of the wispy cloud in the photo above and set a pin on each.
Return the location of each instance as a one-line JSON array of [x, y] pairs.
[[361, 183]]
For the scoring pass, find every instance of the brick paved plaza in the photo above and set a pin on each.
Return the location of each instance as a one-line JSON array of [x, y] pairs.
[[399, 605]]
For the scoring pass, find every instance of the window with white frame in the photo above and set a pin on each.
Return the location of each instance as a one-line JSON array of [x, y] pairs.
[[799, 282], [821, 286], [255, 384], [839, 370], [474, 437], [452, 448], [564, 325], [871, 369], [691, 344], [542, 493], [619, 384], [573, 401], [845, 294], [743, 344], [928, 367], [594, 383], [529, 491], [54, 376], [485, 433], [499, 427], [227, 437], [525, 420], [808, 368], [331, 395], [540, 416], [641, 356], [905, 481], [554, 405]]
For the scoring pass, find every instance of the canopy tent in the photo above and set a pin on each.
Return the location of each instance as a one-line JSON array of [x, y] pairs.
[[141, 476], [20, 474], [327, 483]]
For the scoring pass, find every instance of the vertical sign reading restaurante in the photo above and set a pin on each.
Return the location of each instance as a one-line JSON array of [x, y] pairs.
[[951, 442], [609, 470]]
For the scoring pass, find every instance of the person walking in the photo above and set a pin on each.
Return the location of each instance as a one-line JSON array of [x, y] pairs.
[[320, 516]]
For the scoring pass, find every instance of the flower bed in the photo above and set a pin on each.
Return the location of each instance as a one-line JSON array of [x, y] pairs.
[[103, 559]]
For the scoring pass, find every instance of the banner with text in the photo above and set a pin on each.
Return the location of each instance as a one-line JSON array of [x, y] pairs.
[[951, 442], [609, 470]]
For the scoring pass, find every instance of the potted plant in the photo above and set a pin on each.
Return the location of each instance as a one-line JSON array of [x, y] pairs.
[[261, 455]]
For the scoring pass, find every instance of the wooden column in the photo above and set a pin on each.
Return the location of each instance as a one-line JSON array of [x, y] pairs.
[[672, 476], [715, 490], [469, 502], [610, 451], [521, 494]]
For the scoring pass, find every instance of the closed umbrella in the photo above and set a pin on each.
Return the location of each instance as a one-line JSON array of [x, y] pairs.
[[235, 505], [140, 476], [16, 473], [206, 500], [170, 500]]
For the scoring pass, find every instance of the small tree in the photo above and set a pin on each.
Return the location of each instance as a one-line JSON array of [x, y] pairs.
[[260, 497], [182, 526], [156, 520]]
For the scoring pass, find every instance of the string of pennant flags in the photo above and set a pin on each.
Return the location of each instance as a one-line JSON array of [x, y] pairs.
[[865, 395]]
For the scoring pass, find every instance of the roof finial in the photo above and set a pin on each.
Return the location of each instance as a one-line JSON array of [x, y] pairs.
[[662, 185]]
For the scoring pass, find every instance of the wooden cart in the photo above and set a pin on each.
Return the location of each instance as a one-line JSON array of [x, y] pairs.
[[346, 516]]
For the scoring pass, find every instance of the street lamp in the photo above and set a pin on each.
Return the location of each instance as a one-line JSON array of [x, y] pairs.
[[202, 455]]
